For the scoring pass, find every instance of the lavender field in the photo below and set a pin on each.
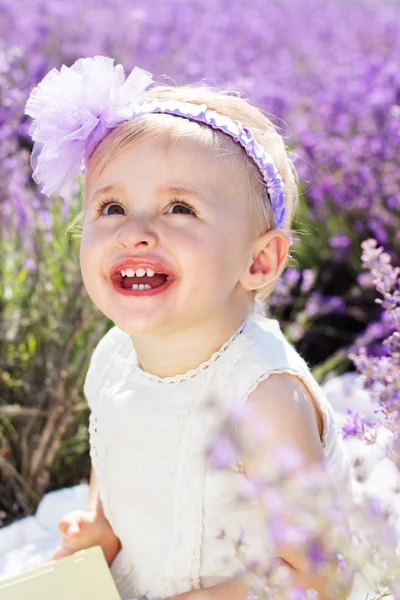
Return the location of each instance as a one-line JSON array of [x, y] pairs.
[[328, 73]]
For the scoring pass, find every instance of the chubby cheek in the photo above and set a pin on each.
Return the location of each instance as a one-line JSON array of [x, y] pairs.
[[208, 265]]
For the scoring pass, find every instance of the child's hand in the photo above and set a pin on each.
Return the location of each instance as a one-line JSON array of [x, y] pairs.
[[83, 529]]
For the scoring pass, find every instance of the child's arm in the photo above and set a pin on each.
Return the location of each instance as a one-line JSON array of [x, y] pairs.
[[283, 403]]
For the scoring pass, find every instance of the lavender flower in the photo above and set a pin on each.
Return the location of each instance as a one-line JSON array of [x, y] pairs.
[[337, 89], [356, 425], [222, 453], [381, 375]]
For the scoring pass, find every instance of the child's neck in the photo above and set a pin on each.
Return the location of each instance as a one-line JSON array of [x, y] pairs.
[[181, 351]]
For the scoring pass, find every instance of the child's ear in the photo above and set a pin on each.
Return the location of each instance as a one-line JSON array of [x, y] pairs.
[[270, 252]]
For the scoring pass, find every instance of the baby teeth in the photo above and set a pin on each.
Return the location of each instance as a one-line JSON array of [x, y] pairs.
[[139, 273], [141, 286]]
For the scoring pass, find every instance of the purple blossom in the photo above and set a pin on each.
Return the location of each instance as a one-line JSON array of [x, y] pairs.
[[287, 457], [251, 487], [316, 552], [240, 539], [340, 245], [380, 375], [342, 565], [354, 426], [292, 276], [283, 533], [297, 593], [30, 264], [308, 280], [222, 452], [375, 507]]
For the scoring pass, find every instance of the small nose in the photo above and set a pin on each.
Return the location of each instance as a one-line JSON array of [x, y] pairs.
[[136, 232]]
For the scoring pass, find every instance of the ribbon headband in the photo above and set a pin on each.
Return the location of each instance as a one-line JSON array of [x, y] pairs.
[[75, 108]]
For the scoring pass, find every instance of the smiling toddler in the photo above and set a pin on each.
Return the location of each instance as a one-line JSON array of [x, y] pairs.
[[189, 195]]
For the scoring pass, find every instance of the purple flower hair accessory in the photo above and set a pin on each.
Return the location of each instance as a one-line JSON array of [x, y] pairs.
[[73, 110]]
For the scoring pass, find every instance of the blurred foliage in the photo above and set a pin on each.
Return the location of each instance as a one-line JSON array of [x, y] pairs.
[[320, 302], [48, 329]]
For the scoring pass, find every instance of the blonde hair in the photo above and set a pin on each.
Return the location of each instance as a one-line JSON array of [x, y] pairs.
[[226, 103]]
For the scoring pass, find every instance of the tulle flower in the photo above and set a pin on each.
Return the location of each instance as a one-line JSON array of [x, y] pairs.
[[73, 110]]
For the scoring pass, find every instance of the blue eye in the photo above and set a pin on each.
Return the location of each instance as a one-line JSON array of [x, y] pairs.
[[115, 208], [179, 207]]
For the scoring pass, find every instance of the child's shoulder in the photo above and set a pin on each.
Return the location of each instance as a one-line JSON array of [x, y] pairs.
[[269, 345], [265, 351], [270, 353]]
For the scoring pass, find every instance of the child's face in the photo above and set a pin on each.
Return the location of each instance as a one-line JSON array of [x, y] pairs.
[[201, 256]]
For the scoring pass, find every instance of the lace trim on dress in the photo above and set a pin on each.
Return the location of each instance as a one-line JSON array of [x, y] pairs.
[[134, 364], [93, 432], [97, 457]]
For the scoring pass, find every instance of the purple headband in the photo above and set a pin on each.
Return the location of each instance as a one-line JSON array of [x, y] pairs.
[[75, 108]]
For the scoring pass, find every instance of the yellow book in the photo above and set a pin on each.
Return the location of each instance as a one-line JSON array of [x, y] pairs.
[[81, 576]]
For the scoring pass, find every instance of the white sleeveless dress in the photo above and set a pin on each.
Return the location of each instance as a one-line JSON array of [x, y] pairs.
[[148, 437]]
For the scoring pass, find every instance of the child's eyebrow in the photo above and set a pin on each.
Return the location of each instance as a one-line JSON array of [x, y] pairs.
[[177, 190], [107, 189], [164, 190]]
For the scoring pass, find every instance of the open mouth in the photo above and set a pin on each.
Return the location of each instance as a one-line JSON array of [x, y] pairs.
[[141, 280]]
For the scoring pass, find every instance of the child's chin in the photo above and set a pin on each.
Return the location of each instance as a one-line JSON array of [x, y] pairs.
[[136, 325]]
